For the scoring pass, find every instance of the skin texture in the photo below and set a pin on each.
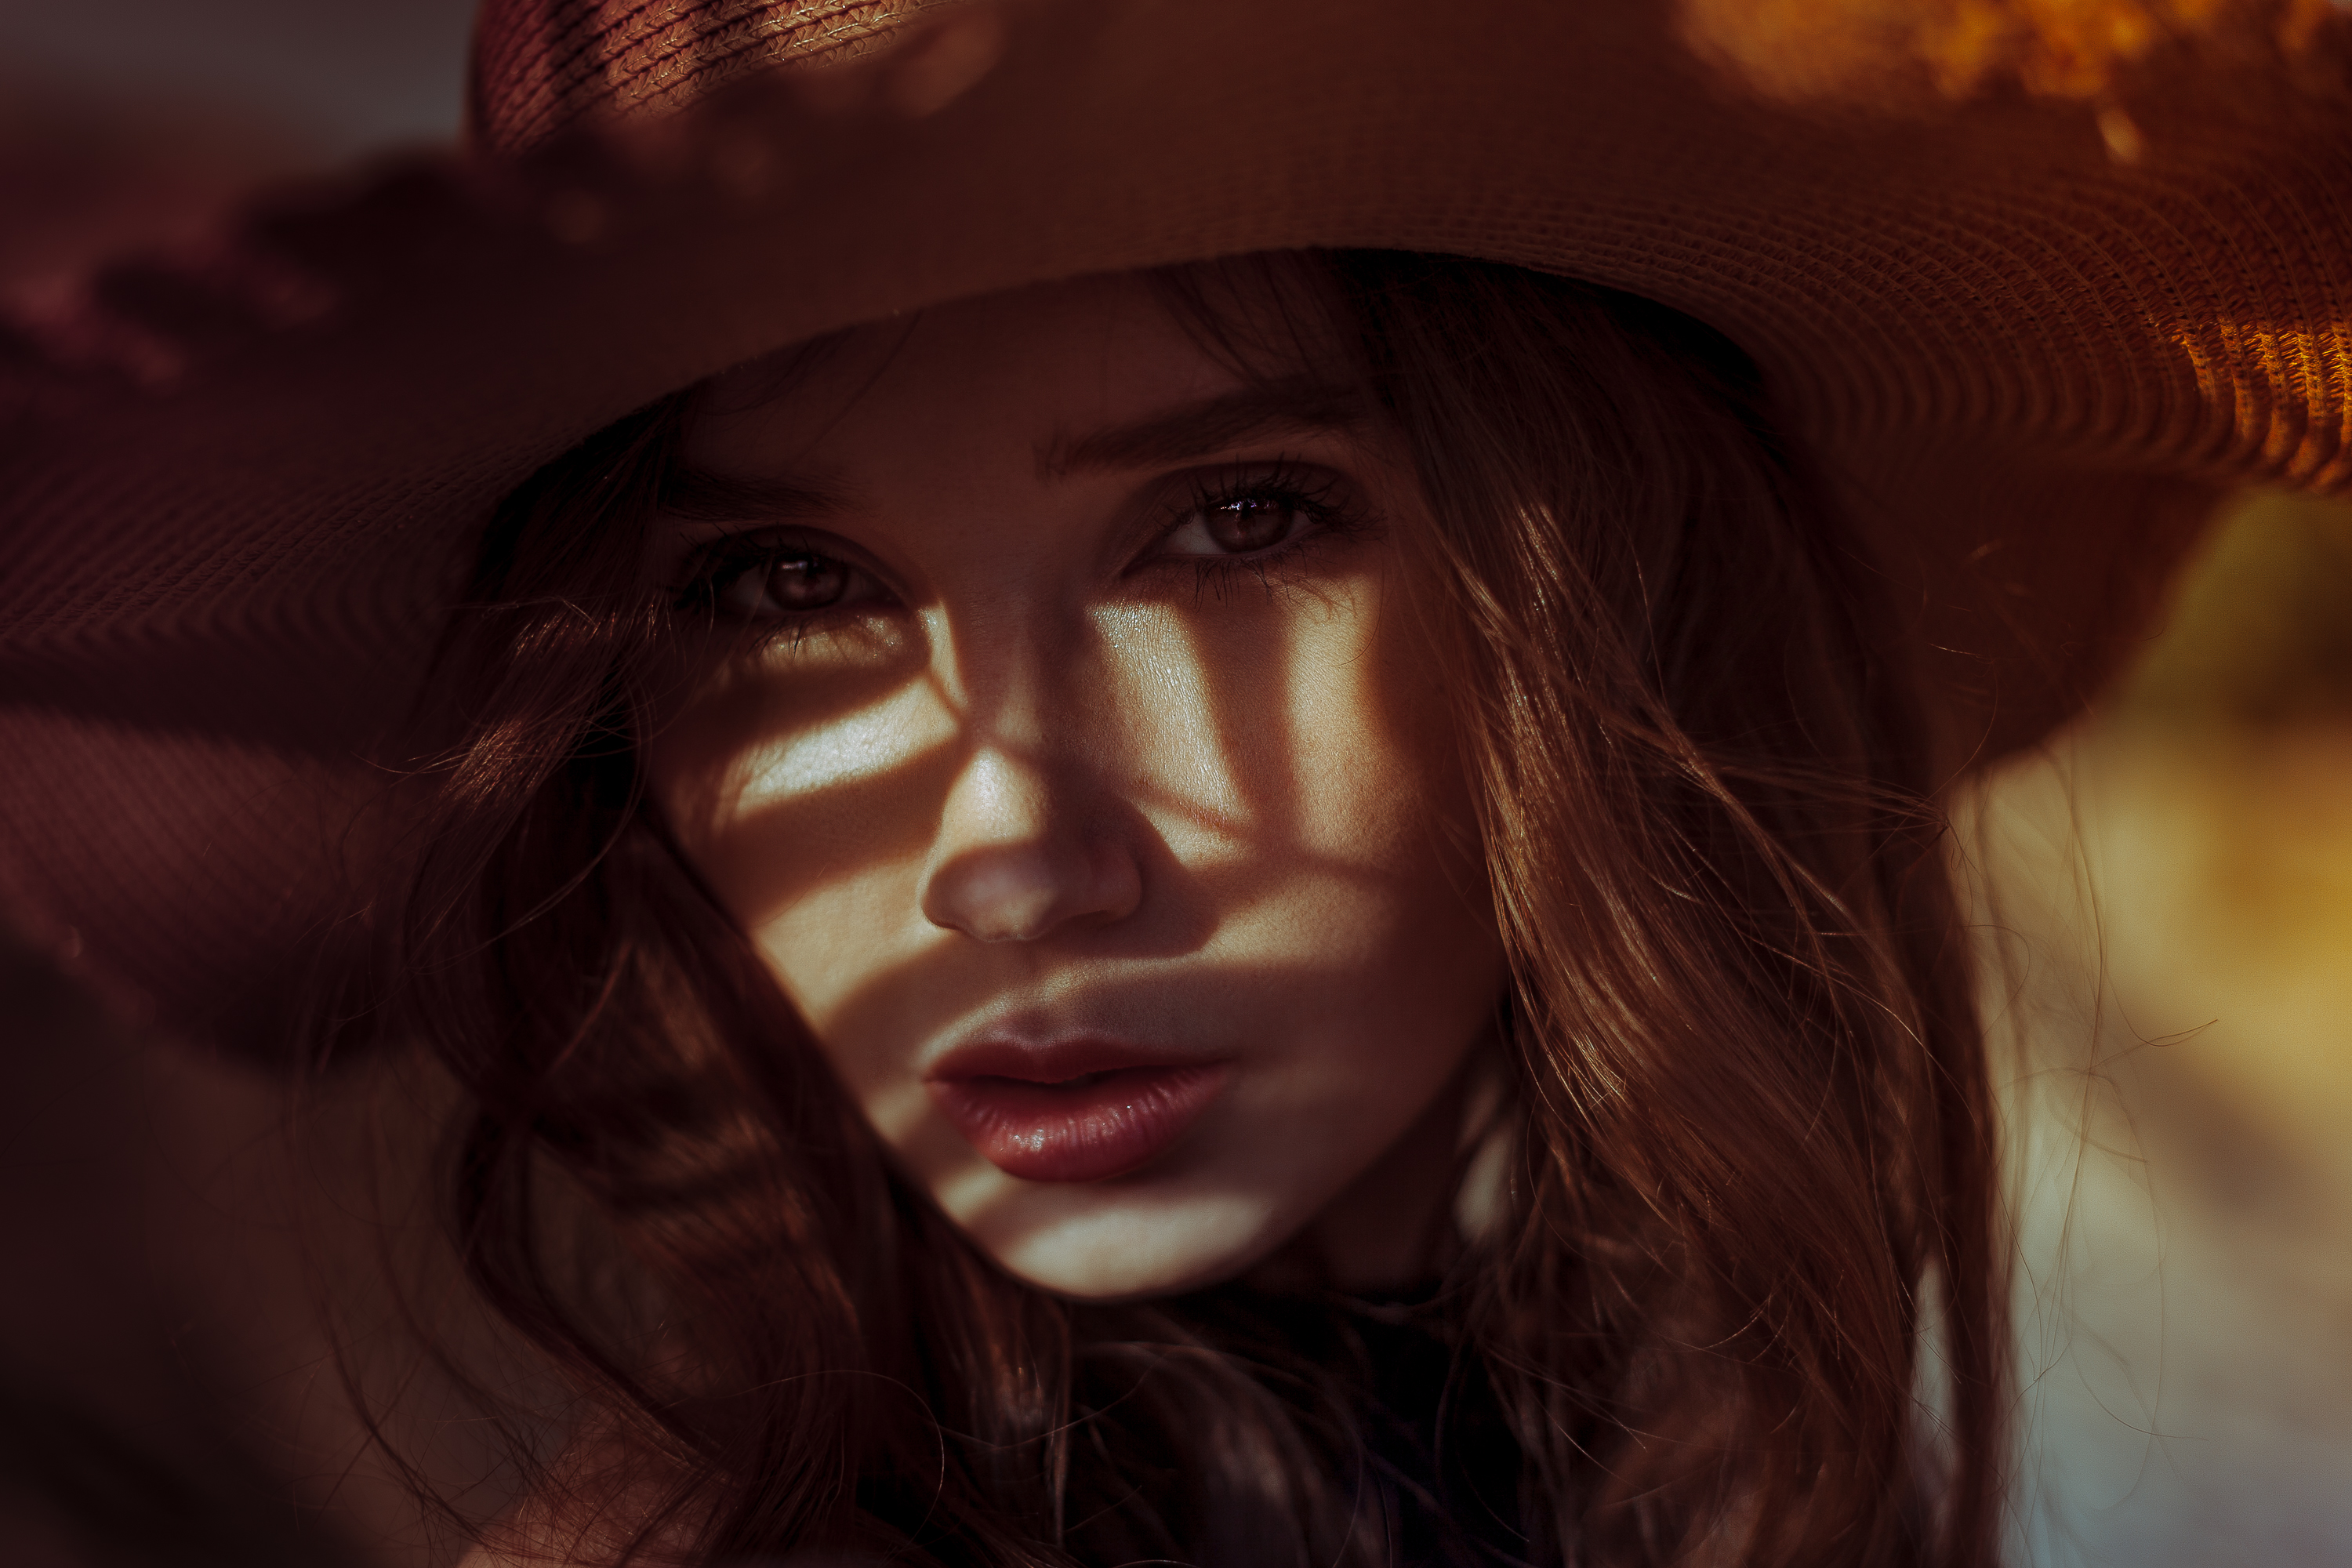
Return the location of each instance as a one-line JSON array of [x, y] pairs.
[[1057, 759]]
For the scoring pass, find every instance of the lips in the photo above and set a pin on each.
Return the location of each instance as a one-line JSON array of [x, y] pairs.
[[1077, 1110]]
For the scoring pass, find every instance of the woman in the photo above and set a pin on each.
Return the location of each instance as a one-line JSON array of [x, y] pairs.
[[1101, 779], [1280, 912]]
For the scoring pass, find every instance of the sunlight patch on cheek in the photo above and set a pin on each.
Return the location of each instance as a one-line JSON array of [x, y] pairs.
[[836, 955], [1359, 784], [899, 1107], [1163, 685], [894, 733], [1267, 747], [1325, 912]]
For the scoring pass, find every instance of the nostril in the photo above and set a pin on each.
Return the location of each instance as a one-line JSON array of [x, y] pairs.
[[1006, 894], [1021, 892]]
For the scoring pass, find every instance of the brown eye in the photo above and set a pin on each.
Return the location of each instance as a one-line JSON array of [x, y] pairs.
[[1241, 525], [1253, 523], [796, 583], [807, 582]]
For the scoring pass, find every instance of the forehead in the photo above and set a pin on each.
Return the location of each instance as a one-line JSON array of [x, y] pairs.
[[1026, 375]]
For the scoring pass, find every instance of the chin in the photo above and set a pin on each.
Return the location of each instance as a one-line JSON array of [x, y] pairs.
[[1098, 1244]]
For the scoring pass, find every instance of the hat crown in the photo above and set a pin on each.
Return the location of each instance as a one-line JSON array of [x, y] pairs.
[[539, 67]]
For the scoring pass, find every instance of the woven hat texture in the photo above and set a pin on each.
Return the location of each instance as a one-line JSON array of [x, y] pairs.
[[2032, 334]]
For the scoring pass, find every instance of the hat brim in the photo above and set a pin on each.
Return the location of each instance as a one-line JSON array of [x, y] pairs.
[[243, 485]]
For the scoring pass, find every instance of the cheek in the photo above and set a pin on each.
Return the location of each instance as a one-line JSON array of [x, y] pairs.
[[1390, 888], [1351, 861], [807, 800], [1374, 817], [1299, 730]]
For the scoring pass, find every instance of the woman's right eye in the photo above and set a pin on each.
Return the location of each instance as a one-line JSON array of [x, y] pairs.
[[790, 583]]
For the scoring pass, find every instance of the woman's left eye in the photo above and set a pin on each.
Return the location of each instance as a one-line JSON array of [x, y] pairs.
[[1240, 525]]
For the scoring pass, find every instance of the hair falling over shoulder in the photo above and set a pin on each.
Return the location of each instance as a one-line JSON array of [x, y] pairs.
[[1750, 1187]]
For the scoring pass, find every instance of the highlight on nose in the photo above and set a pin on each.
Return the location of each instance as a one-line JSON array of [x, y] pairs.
[[1012, 865]]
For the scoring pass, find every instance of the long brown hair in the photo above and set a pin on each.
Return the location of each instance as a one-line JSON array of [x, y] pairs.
[[1748, 1192]]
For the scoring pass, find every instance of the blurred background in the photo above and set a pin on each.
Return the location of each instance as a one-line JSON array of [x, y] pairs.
[[2170, 890], [2166, 889], [341, 75], [119, 116]]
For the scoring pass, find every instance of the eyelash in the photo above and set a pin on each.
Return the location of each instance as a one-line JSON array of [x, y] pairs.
[[1320, 499], [1319, 496], [713, 570]]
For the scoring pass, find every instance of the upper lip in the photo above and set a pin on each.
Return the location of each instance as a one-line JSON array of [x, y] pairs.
[[1051, 1061]]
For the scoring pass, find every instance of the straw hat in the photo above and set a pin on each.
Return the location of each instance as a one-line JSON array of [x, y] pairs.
[[2036, 292]]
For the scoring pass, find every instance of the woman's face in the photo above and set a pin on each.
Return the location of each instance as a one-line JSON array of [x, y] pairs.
[[1081, 776]]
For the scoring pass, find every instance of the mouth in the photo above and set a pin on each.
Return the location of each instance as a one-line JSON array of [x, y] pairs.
[[1082, 1110]]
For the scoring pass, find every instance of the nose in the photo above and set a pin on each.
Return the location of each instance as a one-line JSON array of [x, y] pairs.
[[1013, 863]]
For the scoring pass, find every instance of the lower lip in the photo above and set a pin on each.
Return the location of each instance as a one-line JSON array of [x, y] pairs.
[[1088, 1129]]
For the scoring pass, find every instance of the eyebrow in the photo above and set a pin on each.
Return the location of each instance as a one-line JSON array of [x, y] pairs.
[[701, 495], [1297, 405]]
